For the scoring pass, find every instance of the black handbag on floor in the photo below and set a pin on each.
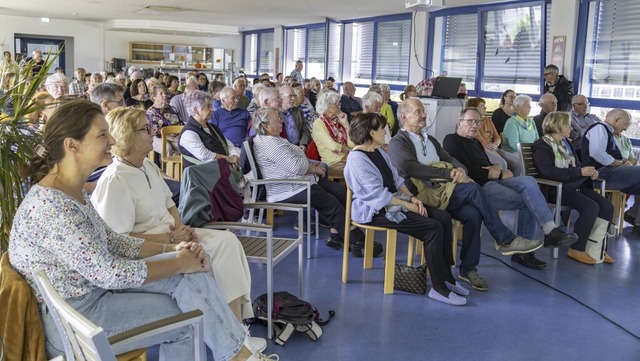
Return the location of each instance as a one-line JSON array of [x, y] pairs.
[[410, 279]]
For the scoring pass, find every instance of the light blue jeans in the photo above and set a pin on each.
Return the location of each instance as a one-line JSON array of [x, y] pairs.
[[120, 310], [521, 193]]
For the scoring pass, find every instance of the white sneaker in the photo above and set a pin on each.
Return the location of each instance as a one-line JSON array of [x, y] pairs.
[[254, 344], [259, 356]]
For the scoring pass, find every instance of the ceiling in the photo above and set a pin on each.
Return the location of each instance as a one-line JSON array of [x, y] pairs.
[[240, 14]]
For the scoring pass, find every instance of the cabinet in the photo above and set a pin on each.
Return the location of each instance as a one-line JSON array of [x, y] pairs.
[[170, 53]]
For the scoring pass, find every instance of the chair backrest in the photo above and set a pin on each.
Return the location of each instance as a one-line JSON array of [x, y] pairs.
[[258, 193], [164, 131], [82, 339], [526, 158]]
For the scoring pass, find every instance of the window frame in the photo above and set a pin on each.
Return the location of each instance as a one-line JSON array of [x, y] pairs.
[[258, 50], [479, 10], [306, 28]]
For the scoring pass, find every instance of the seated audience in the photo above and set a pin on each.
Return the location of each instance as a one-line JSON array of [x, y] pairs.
[[133, 199], [214, 89], [314, 90], [440, 181], [38, 119], [78, 86], [581, 120], [255, 104], [304, 104], [626, 148], [103, 274], [548, 104], [386, 98], [409, 91], [278, 158], [502, 114], [201, 141], [371, 103], [203, 82], [139, 95], [505, 190], [177, 102], [491, 140], [232, 120], [555, 159], [240, 86], [121, 80], [295, 125], [519, 128], [172, 86], [133, 76], [599, 150], [160, 115], [380, 198], [330, 133]]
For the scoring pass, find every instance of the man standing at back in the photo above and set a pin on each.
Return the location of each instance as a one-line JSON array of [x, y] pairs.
[[560, 86], [296, 74]]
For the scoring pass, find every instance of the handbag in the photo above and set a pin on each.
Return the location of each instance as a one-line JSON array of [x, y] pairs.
[[410, 279]]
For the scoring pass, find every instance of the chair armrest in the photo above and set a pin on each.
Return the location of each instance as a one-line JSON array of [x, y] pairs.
[[548, 182], [280, 180], [238, 225], [154, 328], [277, 206]]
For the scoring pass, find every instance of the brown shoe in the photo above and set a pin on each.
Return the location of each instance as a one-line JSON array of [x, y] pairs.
[[608, 259], [580, 256]]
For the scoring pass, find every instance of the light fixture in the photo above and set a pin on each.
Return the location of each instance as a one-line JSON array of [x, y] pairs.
[[44, 20]]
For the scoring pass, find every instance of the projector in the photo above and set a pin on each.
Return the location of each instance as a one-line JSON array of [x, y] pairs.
[[417, 5]]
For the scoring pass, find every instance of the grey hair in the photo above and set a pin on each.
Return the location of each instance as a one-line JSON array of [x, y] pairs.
[[521, 100], [385, 87], [191, 80], [105, 92], [226, 90], [370, 98], [257, 88], [261, 117], [196, 99], [55, 78], [325, 99], [267, 93], [552, 68]]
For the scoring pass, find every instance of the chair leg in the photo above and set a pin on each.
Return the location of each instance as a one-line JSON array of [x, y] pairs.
[[345, 255], [390, 261], [368, 248], [410, 251], [457, 235]]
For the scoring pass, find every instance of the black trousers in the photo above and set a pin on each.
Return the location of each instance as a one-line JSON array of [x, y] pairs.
[[436, 233], [590, 205]]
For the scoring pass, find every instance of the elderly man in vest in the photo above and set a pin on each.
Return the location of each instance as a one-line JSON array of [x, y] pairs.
[[599, 149]]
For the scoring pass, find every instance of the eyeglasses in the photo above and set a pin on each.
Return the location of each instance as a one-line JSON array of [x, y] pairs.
[[473, 121], [581, 103], [148, 128], [545, 74]]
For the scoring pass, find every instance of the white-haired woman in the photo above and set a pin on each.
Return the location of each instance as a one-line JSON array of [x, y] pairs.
[[372, 103], [519, 128], [331, 132]]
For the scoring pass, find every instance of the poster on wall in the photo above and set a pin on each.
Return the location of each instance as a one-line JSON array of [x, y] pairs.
[[557, 52]]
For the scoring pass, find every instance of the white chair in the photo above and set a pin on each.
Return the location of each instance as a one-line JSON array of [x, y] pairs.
[[257, 181], [84, 340]]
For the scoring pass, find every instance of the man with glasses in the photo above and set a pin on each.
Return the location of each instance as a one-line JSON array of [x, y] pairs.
[[295, 128], [559, 86], [441, 182], [108, 96], [581, 120], [505, 191]]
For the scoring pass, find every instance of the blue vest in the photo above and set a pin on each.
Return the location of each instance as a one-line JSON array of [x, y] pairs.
[[612, 148], [210, 141]]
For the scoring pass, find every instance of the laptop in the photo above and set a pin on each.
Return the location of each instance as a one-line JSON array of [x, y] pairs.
[[445, 87]]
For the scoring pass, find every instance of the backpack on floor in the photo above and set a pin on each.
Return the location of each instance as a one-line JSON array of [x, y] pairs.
[[291, 314]]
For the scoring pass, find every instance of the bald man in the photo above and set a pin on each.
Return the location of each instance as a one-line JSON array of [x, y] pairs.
[[599, 150]]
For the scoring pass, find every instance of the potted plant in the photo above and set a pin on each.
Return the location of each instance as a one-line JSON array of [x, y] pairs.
[[17, 143]]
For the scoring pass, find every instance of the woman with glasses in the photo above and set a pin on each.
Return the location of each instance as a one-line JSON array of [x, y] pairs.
[[160, 115], [330, 132], [502, 114], [139, 95], [520, 128], [133, 199], [102, 274]]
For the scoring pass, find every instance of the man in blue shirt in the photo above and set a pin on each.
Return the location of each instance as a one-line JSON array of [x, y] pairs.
[[231, 120]]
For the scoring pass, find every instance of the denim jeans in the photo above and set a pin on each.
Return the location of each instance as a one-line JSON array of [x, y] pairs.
[[119, 310], [521, 193], [470, 205]]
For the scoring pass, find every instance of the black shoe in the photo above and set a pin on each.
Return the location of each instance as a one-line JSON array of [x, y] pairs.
[[335, 241], [559, 238], [629, 218], [528, 260], [357, 249], [636, 230]]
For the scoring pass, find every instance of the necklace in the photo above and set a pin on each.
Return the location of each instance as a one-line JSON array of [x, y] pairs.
[[139, 168]]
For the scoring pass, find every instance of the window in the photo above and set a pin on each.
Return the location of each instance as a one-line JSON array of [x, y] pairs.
[[258, 52], [509, 55], [380, 50], [307, 44]]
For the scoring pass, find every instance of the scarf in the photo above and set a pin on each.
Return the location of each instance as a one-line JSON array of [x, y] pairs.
[[561, 155], [335, 129]]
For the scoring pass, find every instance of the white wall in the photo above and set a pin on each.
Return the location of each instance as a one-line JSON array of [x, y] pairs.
[[419, 38], [564, 22], [87, 37]]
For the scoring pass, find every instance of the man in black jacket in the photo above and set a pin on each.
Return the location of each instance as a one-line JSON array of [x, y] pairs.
[[505, 190], [559, 86]]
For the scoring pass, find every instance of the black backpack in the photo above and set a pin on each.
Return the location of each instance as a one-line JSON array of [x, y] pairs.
[[291, 314]]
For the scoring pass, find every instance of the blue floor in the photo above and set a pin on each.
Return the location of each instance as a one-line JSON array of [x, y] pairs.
[[569, 311]]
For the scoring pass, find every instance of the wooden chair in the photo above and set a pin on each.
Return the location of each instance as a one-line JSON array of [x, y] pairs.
[[84, 340], [619, 200], [457, 235], [171, 164], [259, 243], [529, 168]]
